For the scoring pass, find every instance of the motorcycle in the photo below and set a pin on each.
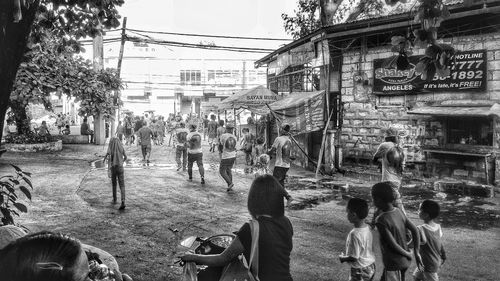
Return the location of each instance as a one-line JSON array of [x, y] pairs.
[[212, 245]]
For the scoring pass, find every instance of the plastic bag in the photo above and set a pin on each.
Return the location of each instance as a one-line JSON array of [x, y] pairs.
[[189, 272]]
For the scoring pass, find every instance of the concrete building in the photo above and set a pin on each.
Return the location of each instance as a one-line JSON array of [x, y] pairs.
[[169, 80], [449, 127]]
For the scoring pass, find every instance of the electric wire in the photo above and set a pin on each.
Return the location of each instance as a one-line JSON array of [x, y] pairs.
[[209, 35]]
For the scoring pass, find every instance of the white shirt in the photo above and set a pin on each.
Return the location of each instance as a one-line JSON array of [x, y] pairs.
[[279, 143], [359, 245]]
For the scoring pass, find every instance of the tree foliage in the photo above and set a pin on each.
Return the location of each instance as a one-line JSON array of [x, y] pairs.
[[10, 188], [47, 70], [305, 20], [26, 23]]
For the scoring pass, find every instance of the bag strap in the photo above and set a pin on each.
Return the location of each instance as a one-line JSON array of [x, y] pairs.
[[253, 264]]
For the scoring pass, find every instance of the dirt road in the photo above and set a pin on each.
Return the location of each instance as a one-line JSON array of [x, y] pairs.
[[163, 207]]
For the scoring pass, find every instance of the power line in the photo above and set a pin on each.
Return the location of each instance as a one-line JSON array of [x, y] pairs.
[[198, 46], [180, 85], [208, 35]]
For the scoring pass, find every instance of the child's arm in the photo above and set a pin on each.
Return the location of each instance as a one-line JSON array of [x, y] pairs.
[[416, 242], [393, 245], [443, 255], [343, 258]]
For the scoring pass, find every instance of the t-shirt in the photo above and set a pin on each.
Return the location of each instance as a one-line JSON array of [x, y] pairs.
[[205, 123], [359, 245], [212, 129], [145, 134], [248, 140], [119, 129], [228, 142], [282, 144], [394, 221], [181, 134], [84, 129], [275, 246], [194, 142], [388, 173], [431, 248]]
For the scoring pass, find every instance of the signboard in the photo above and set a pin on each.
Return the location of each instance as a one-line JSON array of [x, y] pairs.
[[468, 73]]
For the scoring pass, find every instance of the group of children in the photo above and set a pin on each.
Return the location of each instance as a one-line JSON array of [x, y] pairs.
[[393, 227]]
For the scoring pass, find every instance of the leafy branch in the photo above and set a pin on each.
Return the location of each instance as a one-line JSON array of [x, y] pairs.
[[9, 185]]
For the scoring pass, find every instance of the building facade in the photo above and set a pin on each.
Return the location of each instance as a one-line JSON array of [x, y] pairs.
[[170, 80], [449, 127]]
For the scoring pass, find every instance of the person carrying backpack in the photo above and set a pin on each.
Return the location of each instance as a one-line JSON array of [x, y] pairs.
[[282, 146], [228, 143], [195, 154]]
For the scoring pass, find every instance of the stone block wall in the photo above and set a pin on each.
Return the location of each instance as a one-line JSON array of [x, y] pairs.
[[366, 115]]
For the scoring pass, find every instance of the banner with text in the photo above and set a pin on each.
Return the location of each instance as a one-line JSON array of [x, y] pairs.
[[468, 73]]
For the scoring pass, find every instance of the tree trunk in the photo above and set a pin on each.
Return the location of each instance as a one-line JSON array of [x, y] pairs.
[[22, 121], [13, 40]]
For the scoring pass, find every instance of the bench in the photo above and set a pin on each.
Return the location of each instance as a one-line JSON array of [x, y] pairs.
[[75, 139]]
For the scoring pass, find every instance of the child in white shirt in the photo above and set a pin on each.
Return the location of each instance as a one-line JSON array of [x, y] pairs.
[[359, 253]]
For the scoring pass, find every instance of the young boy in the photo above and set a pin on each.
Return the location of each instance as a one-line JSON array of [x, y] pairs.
[[66, 130], [432, 250], [359, 253], [392, 224]]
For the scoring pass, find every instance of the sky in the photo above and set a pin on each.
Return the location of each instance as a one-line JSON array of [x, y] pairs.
[[249, 18]]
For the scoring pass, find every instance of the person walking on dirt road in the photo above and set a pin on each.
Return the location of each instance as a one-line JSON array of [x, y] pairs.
[[228, 156], [181, 146], [282, 146], [195, 154], [117, 156], [145, 134]]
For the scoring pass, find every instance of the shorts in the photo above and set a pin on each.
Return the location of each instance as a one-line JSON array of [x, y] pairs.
[[396, 275], [146, 148], [362, 274], [212, 140], [425, 276]]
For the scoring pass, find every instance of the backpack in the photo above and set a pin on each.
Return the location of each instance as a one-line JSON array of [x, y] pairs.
[[194, 140], [286, 151], [181, 137], [230, 144], [395, 157]]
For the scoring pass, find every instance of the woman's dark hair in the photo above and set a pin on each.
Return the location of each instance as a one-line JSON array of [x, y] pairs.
[[266, 197], [431, 208], [26, 258], [221, 122]]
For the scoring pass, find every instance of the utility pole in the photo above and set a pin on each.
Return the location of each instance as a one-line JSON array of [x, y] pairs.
[[98, 59], [118, 70], [122, 46]]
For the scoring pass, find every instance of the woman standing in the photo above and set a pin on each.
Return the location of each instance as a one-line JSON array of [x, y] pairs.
[[266, 205], [117, 155]]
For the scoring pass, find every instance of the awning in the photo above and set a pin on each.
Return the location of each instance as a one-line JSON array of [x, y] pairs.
[[247, 99], [303, 111], [479, 111]]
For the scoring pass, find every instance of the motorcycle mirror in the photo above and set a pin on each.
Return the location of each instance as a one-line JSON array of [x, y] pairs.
[[188, 242]]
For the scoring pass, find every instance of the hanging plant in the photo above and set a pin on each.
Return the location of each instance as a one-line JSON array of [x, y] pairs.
[[437, 60]]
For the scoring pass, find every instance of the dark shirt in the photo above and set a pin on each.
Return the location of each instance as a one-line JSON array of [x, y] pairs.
[[145, 134], [275, 246], [84, 129], [395, 222], [212, 129]]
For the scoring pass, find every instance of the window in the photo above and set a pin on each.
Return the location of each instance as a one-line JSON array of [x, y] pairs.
[[471, 130], [190, 77]]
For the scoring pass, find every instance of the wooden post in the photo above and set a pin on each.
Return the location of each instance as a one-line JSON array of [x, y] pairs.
[[321, 151], [122, 46]]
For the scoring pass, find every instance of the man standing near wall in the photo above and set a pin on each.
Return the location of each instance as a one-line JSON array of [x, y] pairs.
[[282, 146], [228, 156], [195, 154]]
